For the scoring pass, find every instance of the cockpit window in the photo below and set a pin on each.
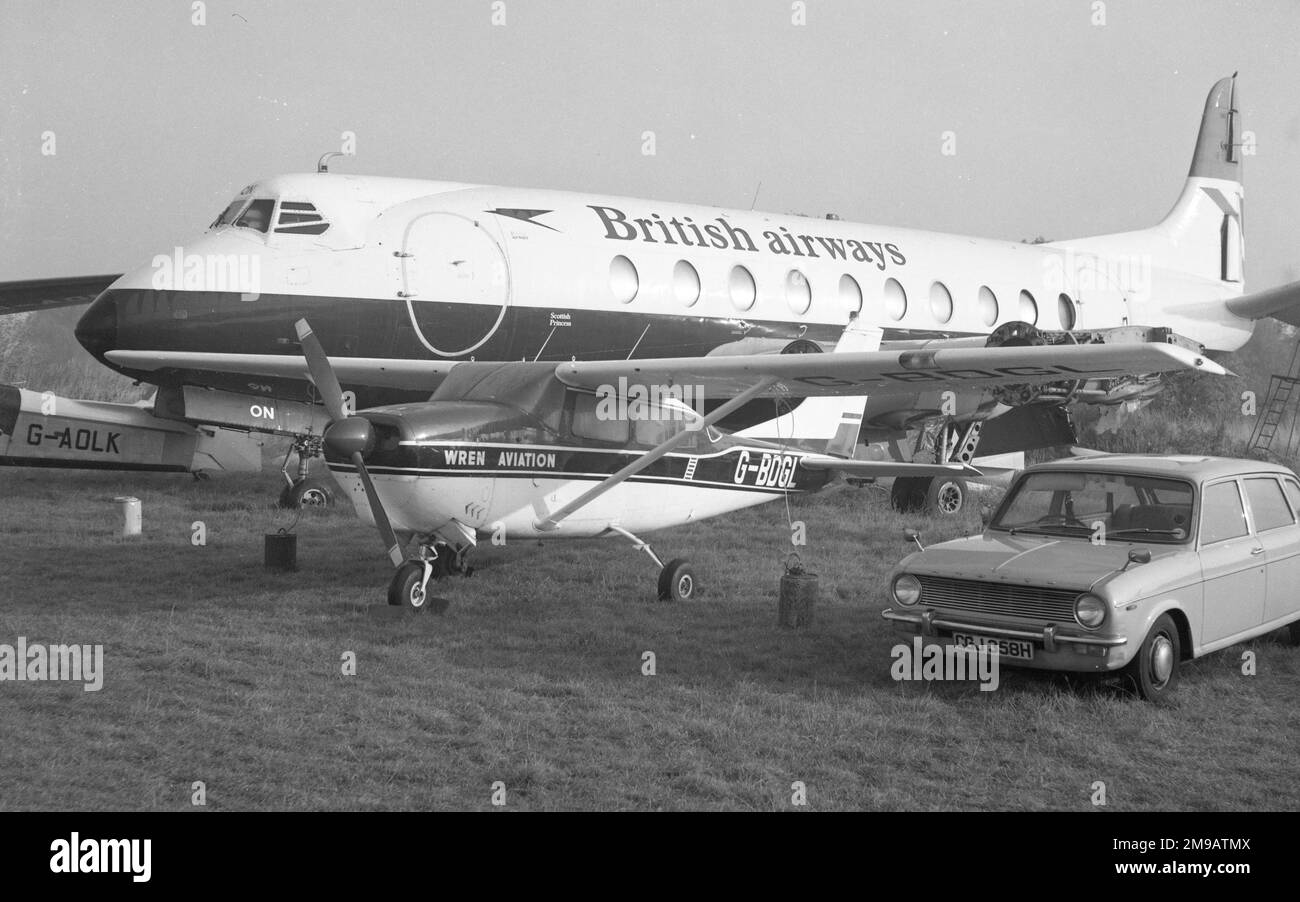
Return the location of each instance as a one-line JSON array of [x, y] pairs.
[[228, 215], [300, 218], [256, 216]]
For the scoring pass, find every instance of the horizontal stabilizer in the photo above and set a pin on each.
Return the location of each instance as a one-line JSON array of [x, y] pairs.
[[1282, 302]]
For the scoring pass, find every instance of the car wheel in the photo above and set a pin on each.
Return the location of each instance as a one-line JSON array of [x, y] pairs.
[[1154, 670], [1295, 632]]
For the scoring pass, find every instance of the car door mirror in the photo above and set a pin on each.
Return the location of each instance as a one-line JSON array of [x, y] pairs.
[[1138, 556], [913, 535]]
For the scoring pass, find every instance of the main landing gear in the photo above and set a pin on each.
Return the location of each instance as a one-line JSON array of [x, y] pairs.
[[409, 587], [676, 579], [304, 490], [943, 496]]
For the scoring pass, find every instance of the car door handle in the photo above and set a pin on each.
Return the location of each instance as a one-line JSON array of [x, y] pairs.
[[1257, 551]]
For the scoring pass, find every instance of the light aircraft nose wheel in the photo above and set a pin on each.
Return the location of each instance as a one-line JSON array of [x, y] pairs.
[[307, 493], [676, 581], [407, 588]]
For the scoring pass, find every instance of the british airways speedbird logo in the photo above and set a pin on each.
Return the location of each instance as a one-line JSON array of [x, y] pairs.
[[529, 216]]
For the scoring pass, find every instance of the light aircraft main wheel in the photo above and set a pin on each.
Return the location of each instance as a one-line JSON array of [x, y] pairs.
[[405, 588], [945, 496], [307, 493], [676, 581], [1154, 669]]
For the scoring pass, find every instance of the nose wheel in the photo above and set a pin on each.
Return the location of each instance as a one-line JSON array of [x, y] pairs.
[[409, 587]]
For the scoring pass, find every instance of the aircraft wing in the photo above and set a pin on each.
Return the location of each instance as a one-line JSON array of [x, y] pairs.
[[1282, 302], [378, 372], [46, 294], [887, 372]]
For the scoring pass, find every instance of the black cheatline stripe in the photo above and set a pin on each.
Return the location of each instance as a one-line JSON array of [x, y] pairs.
[[568, 477]]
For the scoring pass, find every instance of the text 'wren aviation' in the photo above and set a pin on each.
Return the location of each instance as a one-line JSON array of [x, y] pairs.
[[559, 363]]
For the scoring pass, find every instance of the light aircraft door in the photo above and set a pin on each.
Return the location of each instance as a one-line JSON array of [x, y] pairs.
[[455, 280]]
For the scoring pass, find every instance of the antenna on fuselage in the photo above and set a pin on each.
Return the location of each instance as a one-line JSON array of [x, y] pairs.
[[322, 165], [756, 190]]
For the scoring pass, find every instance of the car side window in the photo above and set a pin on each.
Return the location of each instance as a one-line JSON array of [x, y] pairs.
[[1293, 493], [1268, 504], [1223, 516]]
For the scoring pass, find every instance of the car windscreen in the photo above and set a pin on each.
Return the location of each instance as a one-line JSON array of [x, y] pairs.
[[1098, 506]]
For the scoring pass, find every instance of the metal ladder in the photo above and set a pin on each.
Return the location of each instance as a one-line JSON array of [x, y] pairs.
[[1279, 407]]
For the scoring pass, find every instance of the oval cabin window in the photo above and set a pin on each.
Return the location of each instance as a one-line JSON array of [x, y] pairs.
[[988, 306], [1065, 308], [623, 279], [895, 299], [686, 283], [1028, 308], [940, 302], [741, 286], [850, 294], [798, 293]]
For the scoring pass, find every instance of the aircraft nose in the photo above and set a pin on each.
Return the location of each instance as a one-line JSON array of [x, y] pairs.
[[97, 328]]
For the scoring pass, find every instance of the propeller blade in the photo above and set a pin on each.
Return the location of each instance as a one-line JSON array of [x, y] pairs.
[[321, 371], [381, 516]]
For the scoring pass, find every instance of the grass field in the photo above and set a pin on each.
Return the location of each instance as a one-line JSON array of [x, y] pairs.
[[218, 671]]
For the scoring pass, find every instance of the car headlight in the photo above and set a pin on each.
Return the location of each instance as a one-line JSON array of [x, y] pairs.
[[1090, 611], [907, 589]]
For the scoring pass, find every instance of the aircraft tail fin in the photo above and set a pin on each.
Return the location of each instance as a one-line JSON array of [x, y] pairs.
[[1203, 232], [827, 424]]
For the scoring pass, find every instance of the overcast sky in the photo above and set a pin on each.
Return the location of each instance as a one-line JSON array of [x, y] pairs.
[[1063, 127]]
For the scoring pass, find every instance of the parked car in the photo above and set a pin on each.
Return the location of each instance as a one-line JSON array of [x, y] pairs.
[[1127, 563]]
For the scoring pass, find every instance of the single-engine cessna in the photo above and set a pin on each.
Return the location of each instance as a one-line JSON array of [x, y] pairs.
[[404, 281], [597, 448]]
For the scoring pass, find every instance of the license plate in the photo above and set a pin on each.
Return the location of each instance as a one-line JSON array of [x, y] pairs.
[[1020, 649]]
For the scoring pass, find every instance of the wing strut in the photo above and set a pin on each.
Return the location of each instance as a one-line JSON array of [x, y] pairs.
[[645, 460]]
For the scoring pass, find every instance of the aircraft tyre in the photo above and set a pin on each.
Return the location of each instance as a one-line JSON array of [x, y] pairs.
[[405, 589], [945, 496], [676, 581], [307, 493]]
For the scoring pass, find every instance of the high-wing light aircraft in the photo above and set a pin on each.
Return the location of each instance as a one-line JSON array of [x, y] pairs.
[[404, 280], [596, 448]]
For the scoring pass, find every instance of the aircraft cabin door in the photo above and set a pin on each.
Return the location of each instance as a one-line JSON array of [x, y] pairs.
[[455, 281], [1102, 301]]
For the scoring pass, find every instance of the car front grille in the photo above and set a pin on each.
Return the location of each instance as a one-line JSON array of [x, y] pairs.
[[977, 596]]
